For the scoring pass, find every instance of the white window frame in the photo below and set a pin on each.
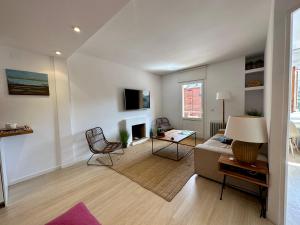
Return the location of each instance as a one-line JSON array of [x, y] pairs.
[[202, 99]]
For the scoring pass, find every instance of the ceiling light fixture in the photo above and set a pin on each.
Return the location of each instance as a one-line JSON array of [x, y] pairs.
[[76, 29], [58, 53]]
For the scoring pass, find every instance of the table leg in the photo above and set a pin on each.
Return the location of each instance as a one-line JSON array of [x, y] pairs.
[[195, 139], [177, 152], [262, 202], [223, 186], [152, 144]]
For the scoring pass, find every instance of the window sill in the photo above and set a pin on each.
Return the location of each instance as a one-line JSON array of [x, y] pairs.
[[192, 119]]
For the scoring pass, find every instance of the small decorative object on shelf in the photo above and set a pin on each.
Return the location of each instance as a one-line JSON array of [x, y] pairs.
[[249, 65], [5, 132], [160, 132], [259, 63], [254, 112], [11, 126], [253, 83], [254, 62]]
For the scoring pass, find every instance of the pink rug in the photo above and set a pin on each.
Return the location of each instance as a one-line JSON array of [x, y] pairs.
[[77, 215]]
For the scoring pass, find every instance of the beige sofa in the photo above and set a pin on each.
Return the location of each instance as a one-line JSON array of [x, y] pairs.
[[206, 163]]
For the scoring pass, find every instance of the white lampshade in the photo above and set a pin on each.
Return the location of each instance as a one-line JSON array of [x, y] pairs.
[[222, 95], [247, 129]]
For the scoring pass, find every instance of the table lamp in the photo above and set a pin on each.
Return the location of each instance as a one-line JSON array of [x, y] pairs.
[[248, 134], [224, 95]]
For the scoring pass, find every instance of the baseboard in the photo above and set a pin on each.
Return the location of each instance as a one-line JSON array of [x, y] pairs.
[[139, 141], [67, 164], [83, 157], [37, 174], [33, 175]]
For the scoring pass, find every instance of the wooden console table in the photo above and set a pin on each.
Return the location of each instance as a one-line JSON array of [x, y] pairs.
[[257, 174], [3, 175]]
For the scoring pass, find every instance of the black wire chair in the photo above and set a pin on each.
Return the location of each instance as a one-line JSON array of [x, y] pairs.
[[99, 145], [163, 123]]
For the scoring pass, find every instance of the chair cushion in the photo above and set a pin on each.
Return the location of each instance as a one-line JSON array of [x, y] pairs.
[[77, 215]]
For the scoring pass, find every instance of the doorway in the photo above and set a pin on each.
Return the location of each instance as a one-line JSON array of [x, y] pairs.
[[293, 156]]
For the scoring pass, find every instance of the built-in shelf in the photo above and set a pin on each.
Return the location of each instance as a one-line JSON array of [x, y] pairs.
[[15, 132], [256, 70], [254, 88], [254, 83]]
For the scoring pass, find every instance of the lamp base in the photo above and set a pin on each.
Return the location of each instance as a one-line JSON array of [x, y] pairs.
[[245, 151]]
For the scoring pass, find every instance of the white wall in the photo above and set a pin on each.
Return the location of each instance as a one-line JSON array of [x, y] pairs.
[[171, 98], [97, 100], [63, 104], [28, 154], [97, 96], [223, 76]]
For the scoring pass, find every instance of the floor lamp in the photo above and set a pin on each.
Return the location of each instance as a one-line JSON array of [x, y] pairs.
[[223, 95]]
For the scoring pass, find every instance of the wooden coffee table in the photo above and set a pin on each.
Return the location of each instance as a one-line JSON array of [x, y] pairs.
[[174, 137]]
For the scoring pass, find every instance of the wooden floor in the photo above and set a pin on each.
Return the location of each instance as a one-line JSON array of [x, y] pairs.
[[116, 200]]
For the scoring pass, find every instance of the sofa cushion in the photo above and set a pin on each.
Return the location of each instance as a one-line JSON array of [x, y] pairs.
[[216, 146], [224, 140], [77, 215]]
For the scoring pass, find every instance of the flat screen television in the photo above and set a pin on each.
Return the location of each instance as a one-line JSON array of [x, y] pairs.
[[136, 99]]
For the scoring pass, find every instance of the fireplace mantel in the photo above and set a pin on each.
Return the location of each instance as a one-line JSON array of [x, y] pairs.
[[129, 122]]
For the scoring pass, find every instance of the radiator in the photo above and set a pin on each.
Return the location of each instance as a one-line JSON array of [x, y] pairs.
[[215, 126]]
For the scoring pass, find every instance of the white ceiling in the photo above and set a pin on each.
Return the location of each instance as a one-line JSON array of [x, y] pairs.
[[46, 26], [161, 36]]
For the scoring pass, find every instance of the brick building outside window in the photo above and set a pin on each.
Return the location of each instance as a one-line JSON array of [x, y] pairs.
[[192, 100]]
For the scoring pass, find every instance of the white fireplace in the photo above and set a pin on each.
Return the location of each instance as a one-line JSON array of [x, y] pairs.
[[142, 125]]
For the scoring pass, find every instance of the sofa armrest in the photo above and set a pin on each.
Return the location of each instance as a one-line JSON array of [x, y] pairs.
[[206, 162]]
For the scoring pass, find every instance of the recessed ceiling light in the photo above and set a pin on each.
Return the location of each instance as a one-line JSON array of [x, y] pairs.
[[58, 53], [76, 29]]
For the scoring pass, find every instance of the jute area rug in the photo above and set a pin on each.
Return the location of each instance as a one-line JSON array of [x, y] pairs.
[[163, 177]]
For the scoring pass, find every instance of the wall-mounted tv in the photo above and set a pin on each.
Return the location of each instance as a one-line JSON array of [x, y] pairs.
[[136, 99]]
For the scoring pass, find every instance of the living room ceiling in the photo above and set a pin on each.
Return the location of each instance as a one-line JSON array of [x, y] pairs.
[[46, 26], [161, 36]]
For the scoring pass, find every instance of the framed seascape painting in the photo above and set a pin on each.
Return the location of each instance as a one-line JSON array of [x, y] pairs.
[[27, 83]]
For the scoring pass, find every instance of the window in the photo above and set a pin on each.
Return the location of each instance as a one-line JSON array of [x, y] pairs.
[[192, 100]]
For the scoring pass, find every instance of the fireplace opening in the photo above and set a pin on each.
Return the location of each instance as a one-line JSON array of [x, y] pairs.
[[138, 132]]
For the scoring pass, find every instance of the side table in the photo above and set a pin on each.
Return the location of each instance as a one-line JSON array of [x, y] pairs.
[[257, 173]]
